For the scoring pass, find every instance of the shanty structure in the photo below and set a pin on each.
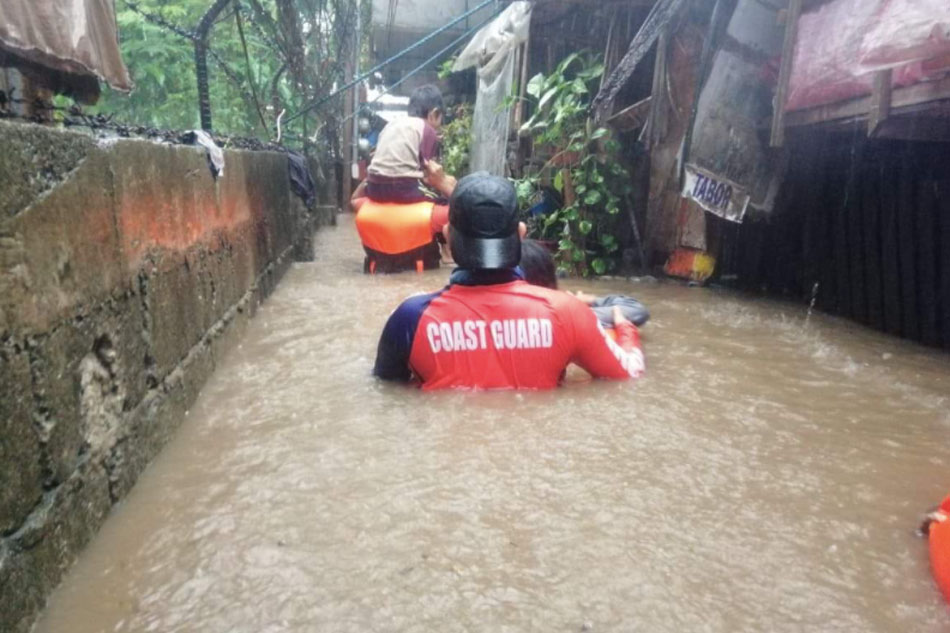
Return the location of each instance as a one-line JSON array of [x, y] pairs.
[[862, 223], [66, 46], [655, 53], [800, 144], [883, 63]]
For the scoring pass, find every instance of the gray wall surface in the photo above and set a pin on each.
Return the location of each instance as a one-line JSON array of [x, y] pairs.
[[126, 272]]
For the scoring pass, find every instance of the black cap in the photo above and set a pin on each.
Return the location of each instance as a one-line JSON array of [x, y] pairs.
[[483, 214]]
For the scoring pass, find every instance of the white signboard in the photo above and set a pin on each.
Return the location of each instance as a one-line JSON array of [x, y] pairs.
[[714, 194]]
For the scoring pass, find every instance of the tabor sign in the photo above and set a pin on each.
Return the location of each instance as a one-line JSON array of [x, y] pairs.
[[714, 194]]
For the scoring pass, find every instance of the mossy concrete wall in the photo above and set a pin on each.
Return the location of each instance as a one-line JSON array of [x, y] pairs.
[[126, 272]]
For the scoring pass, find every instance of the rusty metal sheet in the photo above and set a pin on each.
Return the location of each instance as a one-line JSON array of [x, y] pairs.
[[72, 36]]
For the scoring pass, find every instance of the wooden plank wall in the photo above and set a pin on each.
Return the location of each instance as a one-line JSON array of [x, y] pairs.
[[869, 222]]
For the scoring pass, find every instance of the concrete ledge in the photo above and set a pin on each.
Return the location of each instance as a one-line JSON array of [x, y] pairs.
[[34, 161], [127, 272]]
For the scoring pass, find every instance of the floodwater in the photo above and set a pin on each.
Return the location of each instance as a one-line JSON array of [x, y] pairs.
[[766, 475]]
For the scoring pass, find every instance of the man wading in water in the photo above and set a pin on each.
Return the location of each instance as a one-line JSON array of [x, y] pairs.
[[489, 329]]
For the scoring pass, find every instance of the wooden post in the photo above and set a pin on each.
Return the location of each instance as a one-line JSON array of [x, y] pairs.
[[513, 89], [658, 111], [523, 83], [854, 219], [889, 176], [607, 52], [880, 101], [524, 144], [871, 212], [927, 247], [14, 85], [907, 237], [942, 194], [785, 72], [806, 198], [32, 92], [827, 187], [346, 148], [839, 212]]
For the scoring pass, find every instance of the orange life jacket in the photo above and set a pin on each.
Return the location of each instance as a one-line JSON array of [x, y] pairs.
[[940, 550], [393, 228]]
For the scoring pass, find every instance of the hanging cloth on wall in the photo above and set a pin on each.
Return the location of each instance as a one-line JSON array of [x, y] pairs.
[[301, 180], [492, 51], [212, 152]]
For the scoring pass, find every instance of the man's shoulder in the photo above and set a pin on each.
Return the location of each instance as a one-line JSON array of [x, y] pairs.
[[419, 300], [411, 309], [406, 124], [396, 341]]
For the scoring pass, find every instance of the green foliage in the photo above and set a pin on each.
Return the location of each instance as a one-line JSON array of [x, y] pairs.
[[294, 55], [162, 66], [457, 141], [562, 99], [583, 167], [445, 68]]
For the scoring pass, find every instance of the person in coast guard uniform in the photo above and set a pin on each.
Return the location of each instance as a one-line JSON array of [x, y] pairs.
[[490, 329]]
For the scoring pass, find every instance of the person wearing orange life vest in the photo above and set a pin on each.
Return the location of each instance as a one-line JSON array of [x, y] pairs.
[[489, 329], [936, 527], [402, 206]]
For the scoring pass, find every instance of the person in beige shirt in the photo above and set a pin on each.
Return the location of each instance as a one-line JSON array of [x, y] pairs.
[[405, 164], [405, 167]]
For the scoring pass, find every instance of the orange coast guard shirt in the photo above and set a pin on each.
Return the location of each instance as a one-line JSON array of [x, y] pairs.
[[492, 330]]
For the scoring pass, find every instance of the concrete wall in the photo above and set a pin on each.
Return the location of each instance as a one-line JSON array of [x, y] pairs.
[[126, 272]]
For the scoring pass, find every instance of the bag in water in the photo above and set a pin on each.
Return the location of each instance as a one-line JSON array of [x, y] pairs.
[[632, 310]]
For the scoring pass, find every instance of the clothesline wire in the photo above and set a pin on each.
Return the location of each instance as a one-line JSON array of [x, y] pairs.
[[423, 65], [383, 64]]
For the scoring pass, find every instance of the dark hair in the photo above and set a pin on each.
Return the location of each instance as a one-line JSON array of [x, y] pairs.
[[538, 264], [424, 100]]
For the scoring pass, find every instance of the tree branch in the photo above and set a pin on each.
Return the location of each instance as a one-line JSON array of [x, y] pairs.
[[247, 62], [160, 21], [233, 76]]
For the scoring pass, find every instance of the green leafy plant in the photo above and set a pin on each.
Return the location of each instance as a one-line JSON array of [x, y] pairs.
[[265, 56], [446, 68], [582, 165], [457, 141]]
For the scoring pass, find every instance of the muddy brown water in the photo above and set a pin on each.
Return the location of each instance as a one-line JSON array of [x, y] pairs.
[[766, 475]]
